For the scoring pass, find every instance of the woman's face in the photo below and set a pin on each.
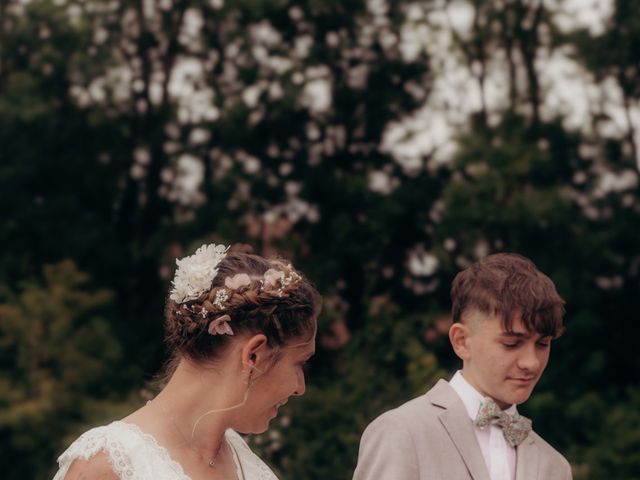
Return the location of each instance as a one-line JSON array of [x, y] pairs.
[[272, 389]]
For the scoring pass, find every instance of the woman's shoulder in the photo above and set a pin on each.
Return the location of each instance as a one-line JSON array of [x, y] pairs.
[[106, 437], [91, 442], [98, 467], [104, 452]]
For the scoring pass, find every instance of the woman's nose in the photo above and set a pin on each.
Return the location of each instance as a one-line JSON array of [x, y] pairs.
[[300, 385]]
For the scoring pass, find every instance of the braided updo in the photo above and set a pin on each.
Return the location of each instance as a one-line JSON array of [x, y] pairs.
[[280, 314]]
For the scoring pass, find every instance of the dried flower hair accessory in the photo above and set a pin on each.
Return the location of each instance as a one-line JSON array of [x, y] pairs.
[[239, 280], [220, 326], [196, 272], [271, 278], [278, 280], [221, 297]]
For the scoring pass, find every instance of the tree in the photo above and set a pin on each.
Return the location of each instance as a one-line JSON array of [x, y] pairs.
[[60, 365], [131, 132]]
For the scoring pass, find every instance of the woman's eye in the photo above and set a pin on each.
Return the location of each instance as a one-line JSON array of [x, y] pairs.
[[510, 345]]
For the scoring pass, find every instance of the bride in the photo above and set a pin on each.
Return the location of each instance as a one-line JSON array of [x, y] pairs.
[[240, 328]]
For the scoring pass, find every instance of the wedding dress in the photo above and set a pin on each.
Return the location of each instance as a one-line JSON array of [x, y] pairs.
[[135, 455]]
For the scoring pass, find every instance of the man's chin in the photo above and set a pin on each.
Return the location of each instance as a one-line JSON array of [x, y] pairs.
[[518, 398]]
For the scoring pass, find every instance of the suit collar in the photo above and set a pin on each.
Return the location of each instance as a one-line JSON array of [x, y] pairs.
[[442, 395], [456, 422]]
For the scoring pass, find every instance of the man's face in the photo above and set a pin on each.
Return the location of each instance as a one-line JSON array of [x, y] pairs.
[[503, 365]]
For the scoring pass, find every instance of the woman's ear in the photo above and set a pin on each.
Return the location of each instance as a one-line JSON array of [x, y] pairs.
[[459, 335], [253, 351]]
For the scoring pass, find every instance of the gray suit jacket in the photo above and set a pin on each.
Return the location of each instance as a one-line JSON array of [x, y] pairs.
[[432, 438]]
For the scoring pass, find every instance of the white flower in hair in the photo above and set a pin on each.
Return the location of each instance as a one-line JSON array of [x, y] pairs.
[[195, 273]]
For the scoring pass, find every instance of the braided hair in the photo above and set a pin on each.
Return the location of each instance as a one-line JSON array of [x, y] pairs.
[[281, 314]]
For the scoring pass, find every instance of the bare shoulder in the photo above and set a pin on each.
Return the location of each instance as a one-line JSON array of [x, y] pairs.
[[97, 467]]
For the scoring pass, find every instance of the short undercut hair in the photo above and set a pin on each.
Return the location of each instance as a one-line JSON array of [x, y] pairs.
[[506, 285]]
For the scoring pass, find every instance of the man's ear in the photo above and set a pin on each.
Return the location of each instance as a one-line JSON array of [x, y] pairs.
[[254, 351], [459, 336]]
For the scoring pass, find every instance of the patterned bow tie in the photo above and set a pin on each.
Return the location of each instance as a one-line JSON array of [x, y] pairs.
[[515, 428]]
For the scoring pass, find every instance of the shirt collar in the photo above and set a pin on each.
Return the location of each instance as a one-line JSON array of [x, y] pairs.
[[470, 397]]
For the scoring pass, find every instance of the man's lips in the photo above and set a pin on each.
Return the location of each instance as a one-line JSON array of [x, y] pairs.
[[522, 380]]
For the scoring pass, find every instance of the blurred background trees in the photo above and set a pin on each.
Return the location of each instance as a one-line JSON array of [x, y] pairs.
[[382, 146]]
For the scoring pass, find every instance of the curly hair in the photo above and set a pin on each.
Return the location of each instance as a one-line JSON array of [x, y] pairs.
[[280, 315]]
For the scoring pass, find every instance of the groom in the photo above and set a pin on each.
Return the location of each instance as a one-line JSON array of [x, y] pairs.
[[505, 315]]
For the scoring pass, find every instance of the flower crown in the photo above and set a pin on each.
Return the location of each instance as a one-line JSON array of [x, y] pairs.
[[196, 273]]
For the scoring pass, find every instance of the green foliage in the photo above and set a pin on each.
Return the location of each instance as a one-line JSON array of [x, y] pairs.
[[58, 358], [106, 113], [615, 446]]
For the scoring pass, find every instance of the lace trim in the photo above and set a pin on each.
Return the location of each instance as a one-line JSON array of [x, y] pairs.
[[235, 440], [90, 444], [106, 439], [264, 472], [163, 452]]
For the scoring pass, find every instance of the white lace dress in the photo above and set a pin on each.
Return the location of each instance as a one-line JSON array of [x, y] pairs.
[[135, 455]]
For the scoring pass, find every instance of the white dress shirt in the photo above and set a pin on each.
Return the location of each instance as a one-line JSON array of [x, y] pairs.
[[499, 456]]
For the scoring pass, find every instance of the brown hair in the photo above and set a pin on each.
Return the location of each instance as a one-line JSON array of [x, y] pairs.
[[280, 315], [508, 284]]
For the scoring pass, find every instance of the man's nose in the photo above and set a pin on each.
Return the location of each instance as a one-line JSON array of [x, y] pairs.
[[529, 360]]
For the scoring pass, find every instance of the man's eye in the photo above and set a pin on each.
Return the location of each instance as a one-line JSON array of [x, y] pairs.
[[511, 345]]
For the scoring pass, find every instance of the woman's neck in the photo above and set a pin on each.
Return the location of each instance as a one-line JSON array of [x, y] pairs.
[[195, 402]]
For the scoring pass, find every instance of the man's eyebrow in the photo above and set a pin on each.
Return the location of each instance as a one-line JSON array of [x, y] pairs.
[[522, 335], [515, 334]]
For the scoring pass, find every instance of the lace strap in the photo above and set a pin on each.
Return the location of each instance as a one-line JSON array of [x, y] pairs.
[[250, 465], [92, 442]]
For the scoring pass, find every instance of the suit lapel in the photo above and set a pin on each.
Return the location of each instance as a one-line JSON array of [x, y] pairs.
[[455, 420], [527, 460]]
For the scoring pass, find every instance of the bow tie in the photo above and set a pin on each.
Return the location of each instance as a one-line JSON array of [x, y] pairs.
[[515, 428]]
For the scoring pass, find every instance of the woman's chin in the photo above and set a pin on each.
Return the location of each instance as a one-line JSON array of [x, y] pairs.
[[254, 428], [257, 424], [262, 429]]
